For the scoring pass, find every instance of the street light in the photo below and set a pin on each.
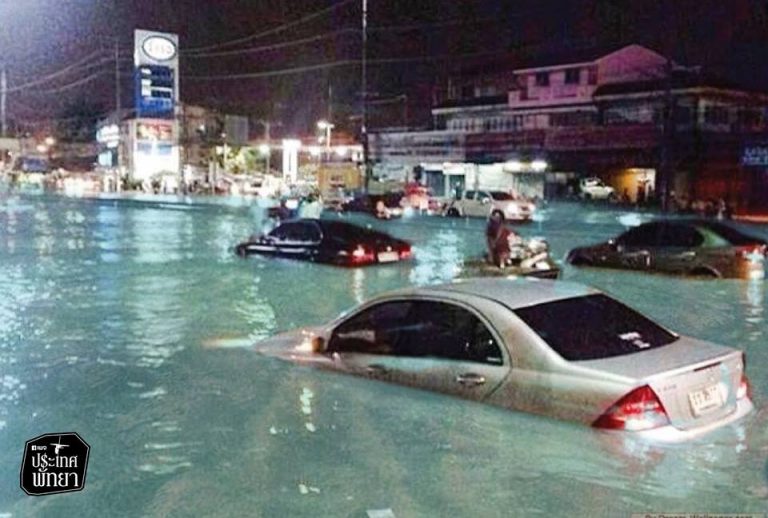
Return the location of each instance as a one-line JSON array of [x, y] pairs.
[[50, 141], [326, 126]]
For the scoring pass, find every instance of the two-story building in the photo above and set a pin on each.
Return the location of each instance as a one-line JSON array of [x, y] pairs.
[[591, 113]]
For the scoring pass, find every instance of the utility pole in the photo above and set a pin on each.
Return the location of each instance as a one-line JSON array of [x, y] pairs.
[[3, 94], [269, 147], [667, 136], [364, 83], [118, 117]]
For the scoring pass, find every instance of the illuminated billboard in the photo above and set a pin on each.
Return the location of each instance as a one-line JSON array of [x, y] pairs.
[[156, 65]]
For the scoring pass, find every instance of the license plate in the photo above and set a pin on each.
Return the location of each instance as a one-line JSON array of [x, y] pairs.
[[705, 400], [388, 257]]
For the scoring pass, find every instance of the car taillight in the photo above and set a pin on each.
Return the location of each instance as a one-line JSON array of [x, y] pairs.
[[745, 389], [361, 255], [755, 252], [638, 410], [405, 253]]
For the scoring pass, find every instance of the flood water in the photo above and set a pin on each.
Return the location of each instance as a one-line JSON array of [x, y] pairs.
[[128, 322]]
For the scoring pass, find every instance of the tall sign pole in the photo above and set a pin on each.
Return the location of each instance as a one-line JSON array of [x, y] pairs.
[[3, 94], [364, 88]]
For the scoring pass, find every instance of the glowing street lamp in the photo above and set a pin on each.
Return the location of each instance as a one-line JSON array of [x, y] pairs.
[[326, 126], [50, 141], [264, 149]]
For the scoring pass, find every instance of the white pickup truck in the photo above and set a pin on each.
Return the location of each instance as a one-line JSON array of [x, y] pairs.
[[594, 189], [484, 203]]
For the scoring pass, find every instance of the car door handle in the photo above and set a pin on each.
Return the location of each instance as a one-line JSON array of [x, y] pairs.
[[375, 369], [470, 379]]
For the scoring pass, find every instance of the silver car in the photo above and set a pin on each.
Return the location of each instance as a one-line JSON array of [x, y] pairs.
[[482, 204], [547, 347]]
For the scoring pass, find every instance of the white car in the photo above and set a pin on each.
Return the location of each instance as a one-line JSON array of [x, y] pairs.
[[594, 189], [482, 204], [547, 347]]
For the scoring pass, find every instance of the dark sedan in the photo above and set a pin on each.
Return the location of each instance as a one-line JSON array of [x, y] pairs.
[[689, 247], [328, 241]]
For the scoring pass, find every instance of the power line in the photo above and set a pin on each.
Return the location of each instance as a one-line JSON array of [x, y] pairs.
[[77, 64], [340, 63], [275, 46], [268, 32], [69, 86]]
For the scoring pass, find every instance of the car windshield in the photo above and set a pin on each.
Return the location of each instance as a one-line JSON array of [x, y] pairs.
[[593, 327], [730, 234], [501, 196]]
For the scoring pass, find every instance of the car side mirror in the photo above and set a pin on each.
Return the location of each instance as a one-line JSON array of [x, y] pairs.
[[486, 201], [318, 344]]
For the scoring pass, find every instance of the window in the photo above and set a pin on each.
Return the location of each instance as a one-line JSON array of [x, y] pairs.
[[542, 79], [470, 195], [716, 115], [592, 76], [304, 232], [644, 235], [573, 76], [418, 328], [680, 236], [593, 327], [374, 331]]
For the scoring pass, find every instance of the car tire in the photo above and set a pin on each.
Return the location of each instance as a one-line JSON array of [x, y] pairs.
[[500, 213], [587, 196], [453, 212]]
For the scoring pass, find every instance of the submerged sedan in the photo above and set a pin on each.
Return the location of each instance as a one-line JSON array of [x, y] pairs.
[[689, 247], [327, 241], [546, 347]]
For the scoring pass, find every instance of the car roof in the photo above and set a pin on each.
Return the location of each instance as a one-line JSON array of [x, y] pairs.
[[513, 292]]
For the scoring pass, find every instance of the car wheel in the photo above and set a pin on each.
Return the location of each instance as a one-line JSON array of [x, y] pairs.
[[587, 196], [453, 212], [704, 271], [498, 213]]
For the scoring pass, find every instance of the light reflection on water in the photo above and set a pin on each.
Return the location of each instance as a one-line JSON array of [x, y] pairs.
[[110, 314]]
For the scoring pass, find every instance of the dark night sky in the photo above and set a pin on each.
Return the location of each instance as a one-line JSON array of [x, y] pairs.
[[38, 37]]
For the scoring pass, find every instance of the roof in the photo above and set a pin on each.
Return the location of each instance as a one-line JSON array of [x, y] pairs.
[[678, 81], [511, 292]]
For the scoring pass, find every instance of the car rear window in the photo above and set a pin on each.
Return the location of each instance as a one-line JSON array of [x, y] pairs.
[[730, 234], [593, 327], [349, 232]]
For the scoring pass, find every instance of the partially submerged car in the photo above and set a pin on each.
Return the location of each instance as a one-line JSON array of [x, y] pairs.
[[697, 247], [483, 204], [546, 347], [327, 241]]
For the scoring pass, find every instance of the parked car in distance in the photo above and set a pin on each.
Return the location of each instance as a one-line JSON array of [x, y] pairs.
[[335, 199], [593, 188], [546, 347], [696, 247], [327, 241], [484, 203], [383, 206]]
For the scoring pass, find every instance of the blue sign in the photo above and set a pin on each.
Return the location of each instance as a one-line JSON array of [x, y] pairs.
[[155, 91], [755, 155]]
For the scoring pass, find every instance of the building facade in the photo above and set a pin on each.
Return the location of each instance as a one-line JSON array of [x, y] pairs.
[[629, 116]]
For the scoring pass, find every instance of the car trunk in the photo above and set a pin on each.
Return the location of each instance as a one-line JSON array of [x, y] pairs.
[[695, 381]]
